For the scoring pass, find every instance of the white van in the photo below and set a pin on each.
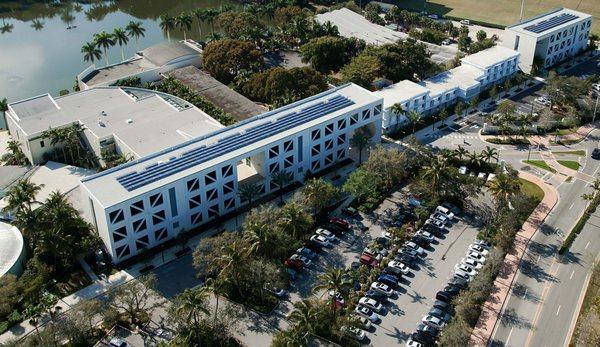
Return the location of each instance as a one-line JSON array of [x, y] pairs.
[[465, 22], [444, 211]]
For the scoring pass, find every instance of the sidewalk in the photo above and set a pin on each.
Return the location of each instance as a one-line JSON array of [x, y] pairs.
[[493, 306]]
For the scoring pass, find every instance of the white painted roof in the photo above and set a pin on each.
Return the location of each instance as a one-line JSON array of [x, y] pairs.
[[400, 92], [11, 247], [520, 27], [462, 77], [490, 57]]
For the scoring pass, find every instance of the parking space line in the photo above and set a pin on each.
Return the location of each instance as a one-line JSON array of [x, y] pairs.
[[557, 311], [587, 244], [572, 274]]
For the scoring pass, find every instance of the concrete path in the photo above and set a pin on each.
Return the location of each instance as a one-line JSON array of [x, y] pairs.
[[493, 306]]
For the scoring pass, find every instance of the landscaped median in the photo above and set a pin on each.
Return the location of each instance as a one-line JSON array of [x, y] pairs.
[[493, 306]]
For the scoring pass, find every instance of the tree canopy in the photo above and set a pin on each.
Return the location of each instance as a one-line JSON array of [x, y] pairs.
[[330, 53], [224, 59]]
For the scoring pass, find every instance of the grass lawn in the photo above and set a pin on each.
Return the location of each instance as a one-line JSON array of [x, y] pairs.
[[539, 163], [571, 164], [565, 131], [531, 189], [503, 12], [579, 152]]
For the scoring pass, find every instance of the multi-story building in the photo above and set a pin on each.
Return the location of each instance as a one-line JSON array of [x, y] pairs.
[[477, 72], [146, 202], [550, 38]]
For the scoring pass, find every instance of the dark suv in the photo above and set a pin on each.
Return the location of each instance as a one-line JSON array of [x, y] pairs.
[[596, 153]]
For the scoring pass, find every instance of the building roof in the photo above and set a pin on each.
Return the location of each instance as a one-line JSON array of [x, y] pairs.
[[130, 114], [107, 186], [490, 57], [462, 77], [548, 22], [11, 247], [217, 93], [163, 53], [400, 92]]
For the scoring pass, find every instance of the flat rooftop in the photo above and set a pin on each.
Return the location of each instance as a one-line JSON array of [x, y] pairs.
[[109, 187], [217, 93], [117, 71], [490, 57], [400, 92], [145, 120], [462, 77], [548, 22]]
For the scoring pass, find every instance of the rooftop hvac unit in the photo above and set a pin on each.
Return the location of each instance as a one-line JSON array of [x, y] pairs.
[[101, 123], [129, 121]]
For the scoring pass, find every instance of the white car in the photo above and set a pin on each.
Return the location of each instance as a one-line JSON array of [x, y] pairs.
[[463, 275], [442, 218], [328, 234], [413, 343], [479, 249], [426, 235], [307, 252], [320, 239], [382, 288], [302, 258], [435, 222], [357, 333], [476, 256], [401, 266], [483, 244], [434, 322], [366, 324], [371, 303], [446, 212], [387, 235], [367, 313], [446, 42], [373, 254], [462, 170], [491, 177], [465, 268], [411, 245], [472, 263], [543, 100], [482, 176]]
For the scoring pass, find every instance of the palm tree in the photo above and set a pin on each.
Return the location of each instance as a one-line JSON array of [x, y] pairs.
[[333, 280], [210, 16], [415, 118], [503, 187], [21, 196], [3, 105], [214, 284], [121, 39], [57, 136], [460, 153], [213, 37], [304, 316], [192, 304], [294, 220], [90, 52], [248, 191], [183, 22], [167, 23], [37, 24], [360, 140], [435, 171], [135, 30], [489, 153], [104, 40], [200, 14], [281, 179], [475, 159], [258, 236], [396, 110], [14, 155]]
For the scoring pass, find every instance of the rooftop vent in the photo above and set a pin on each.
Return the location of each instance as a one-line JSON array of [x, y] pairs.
[[102, 113], [129, 121], [101, 123]]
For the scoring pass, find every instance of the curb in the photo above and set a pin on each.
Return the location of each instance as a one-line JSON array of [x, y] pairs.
[[580, 302]]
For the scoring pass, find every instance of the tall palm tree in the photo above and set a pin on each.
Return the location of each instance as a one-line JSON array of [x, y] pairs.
[[281, 179], [183, 22], [258, 236], [14, 155], [435, 171], [396, 110], [200, 14], [476, 159], [57, 137], [135, 30], [502, 188], [37, 24], [210, 16], [414, 118], [304, 316], [104, 40], [489, 153], [294, 219], [360, 140], [334, 280], [21, 196], [248, 191], [91, 52], [214, 284], [192, 304], [460, 153], [167, 23], [121, 39]]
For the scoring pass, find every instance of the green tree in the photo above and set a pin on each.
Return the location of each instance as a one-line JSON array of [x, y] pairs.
[[200, 14], [362, 70], [435, 172], [318, 194], [183, 22], [481, 35], [192, 305], [304, 316], [474, 102], [120, 37], [360, 140], [460, 153], [396, 110], [14, 155], [489, 153], [294, 220], [333, 280], [90, 52], [135, 30], [248, 191], [241, 26], [210, 16], [414, 118], [494, 92], [464, 42], [281, 179], [226, 58], [502, 188], [167, 23], [136, 299], [104, 40], [459, 108], [21, 196], [330, 53]]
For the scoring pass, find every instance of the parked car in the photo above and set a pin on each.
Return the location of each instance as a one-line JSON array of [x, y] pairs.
[[354, 332], [441, 305], [415, 247], [596, 153], [368, 260], [367, 313], [307, 252], [382, 288], [462, 170], [445, 211], [326, 233], [482, 176], [444, 296], [428, 330], [334, 228], [372, 254], [413, 343], [408, 251], [434, 16], [406, 259], [465, 22], [337, 296], [446, 42], [278, 292], [453, 208], [377, 295], [435, 222], [466, 268], [384, 242], [452, 289], [426, 235], [479, 249], [388, 235], [313, 246], [433, 321], [340, 222], [351, 212], [405, 270], [437, 231], [472, 263], [483, 244], [321, 240], [444, 316], [388, 279], [305, 261], [423, 339], [462, 274], [458, 282], [371, 303], [476, 256], [117, 342], [364, 322], [296, 265], [441, 217], [421, 241]]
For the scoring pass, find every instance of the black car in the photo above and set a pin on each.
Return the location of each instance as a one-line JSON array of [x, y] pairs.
[[433, 229], [313, 246], [458, 282], [392, 272], [442, 305], [351, 212], [452, 289], [334, 228], [376, 295], [406, 259], [421, 241], [409, 252], [444, 296], [424, 339], [423, 328], [596, 153]]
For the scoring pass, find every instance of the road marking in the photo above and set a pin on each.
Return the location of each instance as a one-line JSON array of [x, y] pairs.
[[572, 274], [538, 259], [525, 294], [509, 334], [587, 244], [570, 207], [558, 310]]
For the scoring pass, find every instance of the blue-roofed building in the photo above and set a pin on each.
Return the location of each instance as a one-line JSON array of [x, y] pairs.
[[551, 37], [148, 201]]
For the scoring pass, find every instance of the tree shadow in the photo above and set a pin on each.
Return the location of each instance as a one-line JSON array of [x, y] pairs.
[[533, 270], [524, 292], [510, 318]]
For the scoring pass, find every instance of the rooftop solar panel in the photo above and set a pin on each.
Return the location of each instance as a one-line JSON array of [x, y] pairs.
[[551, 23], [231, 143]]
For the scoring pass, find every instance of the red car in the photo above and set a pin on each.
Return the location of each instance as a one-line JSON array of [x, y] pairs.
[[339, 222], [368, 260], [294, 264]]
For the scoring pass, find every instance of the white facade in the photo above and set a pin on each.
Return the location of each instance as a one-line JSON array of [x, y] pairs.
[[477, 72], [144, 203], [551, 37]]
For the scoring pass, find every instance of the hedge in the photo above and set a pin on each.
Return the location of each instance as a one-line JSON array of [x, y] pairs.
[[580, 224]]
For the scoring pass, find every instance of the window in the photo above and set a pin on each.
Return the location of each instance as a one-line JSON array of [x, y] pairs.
[[316, 165], [210, 177], [288, 162], [377, 110], [142, 242], [316, 149], [328, 129], [228, 187], [193, 185], [328, 144], [341, 139], [274, 167], [136, 208], [213, 211], [194, 201], [341, 153], [273, 152], [288, 146], [160, 234], [122, 251], [119, 234], [173, 201], [229, 203], [42, 144], [316, 134], [196, 218], [156, 200], [226, 171], [366, 114], [158, 217], [328, 159], [354, 118], [212, 194], [341, 124], [300, 149], [116, 216], [139, 225]]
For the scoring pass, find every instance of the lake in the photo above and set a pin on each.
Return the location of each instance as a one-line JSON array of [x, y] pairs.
[[39, 55]]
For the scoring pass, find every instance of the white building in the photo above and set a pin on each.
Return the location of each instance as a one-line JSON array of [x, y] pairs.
[[113, 118], [477, 72], [146, 202], [147, 65], [551, 37]]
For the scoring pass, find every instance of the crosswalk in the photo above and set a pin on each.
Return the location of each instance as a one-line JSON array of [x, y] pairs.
[[452, 136]]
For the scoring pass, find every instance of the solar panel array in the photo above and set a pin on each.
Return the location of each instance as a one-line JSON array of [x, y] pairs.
[[551, 23], [157, 171]]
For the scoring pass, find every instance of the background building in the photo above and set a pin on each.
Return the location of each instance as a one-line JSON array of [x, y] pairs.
[[550, 38], [477, 72], [143, 203]]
